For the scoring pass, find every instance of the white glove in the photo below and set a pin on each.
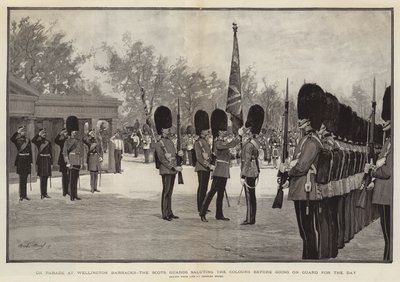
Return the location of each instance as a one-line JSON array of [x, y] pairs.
[[241, 131], [282, 167], [68, 165], [242, 181], [367, 167], [180, 153], [212, 167], [178, 168]]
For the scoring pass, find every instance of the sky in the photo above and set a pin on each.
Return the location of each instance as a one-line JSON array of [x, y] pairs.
[[334, 49]]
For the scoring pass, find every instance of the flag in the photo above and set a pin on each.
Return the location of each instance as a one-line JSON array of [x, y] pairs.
[[234, 100]]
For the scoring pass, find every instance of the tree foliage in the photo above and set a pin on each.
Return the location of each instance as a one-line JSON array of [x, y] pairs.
[[44, 58]]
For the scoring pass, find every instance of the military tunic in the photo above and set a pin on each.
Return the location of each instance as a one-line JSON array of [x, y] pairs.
[[203, 168], [23, 161], [72, 155], [60, 140]]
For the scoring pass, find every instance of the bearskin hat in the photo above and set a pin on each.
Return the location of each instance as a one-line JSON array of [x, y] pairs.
[[255, 119], [219, 121], [386, 105], [311, 104], [201, 121], [72, 124], [162, 118], [190, 129], [331, 113]]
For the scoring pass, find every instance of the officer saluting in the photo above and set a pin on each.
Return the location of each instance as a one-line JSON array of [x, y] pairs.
[[302, 170], [203, 155], [23, 160], [60, 140], [219, 126], [166, 159], [94, 158], [72, 155], [44, 160], [250, 167]]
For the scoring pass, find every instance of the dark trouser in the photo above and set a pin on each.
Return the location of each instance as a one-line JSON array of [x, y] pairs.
[[43, 185], [168, 181], [189, 153], [203, 177], [65, 180], [347, 219], [218, 185], [251, 201], [135, 150], [341, 221], [385, 215], [146, 155], [74, 175], [308, 232], [184, 157], [117, 158], [323, 225], [23, 180], [93, 180], [334, 225]]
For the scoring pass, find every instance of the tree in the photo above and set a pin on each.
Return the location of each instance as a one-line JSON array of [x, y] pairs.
[[43, 58], [135, 69]]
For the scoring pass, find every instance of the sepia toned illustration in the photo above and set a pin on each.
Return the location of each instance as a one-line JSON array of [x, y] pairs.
[[199, 135]]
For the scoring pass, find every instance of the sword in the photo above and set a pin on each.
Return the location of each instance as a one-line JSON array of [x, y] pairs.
[[50, 182], [227, 199], [240, 195], [30, 181]]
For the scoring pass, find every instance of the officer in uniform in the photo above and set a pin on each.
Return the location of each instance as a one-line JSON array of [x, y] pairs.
[[190, 142], [60, 140], [44, 160], [94, 158], [23, 160], [250, 167], [302, 187], [382, 172], [219, 126], [72, 155], [203, 155], [166, 155]]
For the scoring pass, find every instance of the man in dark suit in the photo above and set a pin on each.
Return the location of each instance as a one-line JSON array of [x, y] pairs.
[[166, 155], [23, 160], [60, 140], [44, 160], [219, 126], [72, 156]]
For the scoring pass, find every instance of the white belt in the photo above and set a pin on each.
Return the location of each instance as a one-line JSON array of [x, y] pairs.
[[73, 153], [24, 154], [45, 155], [221, 161]]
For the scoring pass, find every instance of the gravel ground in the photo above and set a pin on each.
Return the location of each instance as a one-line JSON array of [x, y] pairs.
[[123, 223]]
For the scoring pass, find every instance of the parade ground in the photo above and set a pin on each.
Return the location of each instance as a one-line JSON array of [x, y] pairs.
[[123, 223]]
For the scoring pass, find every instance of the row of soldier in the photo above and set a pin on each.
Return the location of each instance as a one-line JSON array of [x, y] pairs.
[[324, 173]]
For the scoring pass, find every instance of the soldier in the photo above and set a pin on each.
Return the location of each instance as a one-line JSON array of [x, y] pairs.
[[60, 140], [23, 160], [135, 142], [327, 217], [44, 160], [250, 167], [146, 141], [94, 158], [190, 142], [166, 156], [72, 155], [219, 126], [203, 155], [184, 140], [118, 150], [382, 172], [302, 170]]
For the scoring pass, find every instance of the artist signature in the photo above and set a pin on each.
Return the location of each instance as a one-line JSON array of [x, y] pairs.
[[32, 244]]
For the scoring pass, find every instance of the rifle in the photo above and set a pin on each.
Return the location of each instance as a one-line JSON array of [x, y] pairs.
[[179, 159], [283, 177]]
